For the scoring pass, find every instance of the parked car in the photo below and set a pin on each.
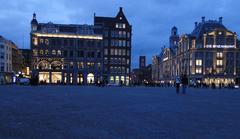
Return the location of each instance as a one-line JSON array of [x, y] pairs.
[[24, 81]]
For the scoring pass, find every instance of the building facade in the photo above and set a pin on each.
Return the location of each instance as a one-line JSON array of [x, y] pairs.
[[82, 54], [70, 54], [117, 34], [6, 71], [208, 55]]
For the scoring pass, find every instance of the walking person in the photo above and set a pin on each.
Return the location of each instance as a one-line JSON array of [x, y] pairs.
[[184, 83], [177, 85]]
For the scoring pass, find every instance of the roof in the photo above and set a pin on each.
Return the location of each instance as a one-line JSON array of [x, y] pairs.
[[207, 26]]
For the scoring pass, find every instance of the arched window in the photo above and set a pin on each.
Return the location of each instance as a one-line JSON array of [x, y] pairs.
[[56, 65], [43, 65], [90, 78]]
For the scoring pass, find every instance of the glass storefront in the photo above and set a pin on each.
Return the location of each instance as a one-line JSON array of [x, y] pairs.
[[56, 77], [44, 77]]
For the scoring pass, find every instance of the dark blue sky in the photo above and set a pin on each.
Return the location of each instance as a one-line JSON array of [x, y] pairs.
[[151, 19]]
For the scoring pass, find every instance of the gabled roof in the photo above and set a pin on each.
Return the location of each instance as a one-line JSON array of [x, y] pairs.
[[121, 14]]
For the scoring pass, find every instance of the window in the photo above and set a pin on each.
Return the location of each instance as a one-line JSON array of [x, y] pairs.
[[105, 33], [127, 61], [105, 51], [112, 43], [41, 41], [65, 53], [35, 41], [80, 54], [112, 51], [53, 52], [120, 25], [99, 54], [71, 65], [2, 66], [123, 52], [46, 52], [46, 41], [219, 62], [128, 34], [123, 43], [199, 62], [71, 54], [41, 52], [105, 42], [219, 55], [198, 70], [2, 55], [2, 46], [116, 51], [59, 52], [80, 65]]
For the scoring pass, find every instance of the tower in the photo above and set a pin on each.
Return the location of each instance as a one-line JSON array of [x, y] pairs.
[[142, 62], [174, 38], [34, 23]]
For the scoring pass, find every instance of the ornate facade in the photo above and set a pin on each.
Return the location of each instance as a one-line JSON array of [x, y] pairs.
[[70, 54], [210, 54]]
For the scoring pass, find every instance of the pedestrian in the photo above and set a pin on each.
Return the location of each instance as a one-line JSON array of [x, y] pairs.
[[184, 81], [177, 85]]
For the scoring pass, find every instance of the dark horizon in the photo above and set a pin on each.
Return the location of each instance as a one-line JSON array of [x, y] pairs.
[[151, 26]]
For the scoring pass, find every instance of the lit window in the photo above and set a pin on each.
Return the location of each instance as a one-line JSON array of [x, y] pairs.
[[198, 70], [35, 41], [46, 41], [219, 62], [53, 52], [59, 52], [219, 54], [105, 51], [41, 52], [199, 62], [41, 41], [46, 52]]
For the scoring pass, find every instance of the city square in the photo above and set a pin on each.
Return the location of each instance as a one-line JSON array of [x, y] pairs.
[[73, 112]]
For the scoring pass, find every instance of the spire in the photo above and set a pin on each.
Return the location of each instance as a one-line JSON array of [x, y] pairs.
[[34, 15], [120, 9]]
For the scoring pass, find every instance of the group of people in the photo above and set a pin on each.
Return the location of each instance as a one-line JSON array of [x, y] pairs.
[[183, 80]]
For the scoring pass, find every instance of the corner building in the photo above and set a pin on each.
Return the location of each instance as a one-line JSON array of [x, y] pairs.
[[82, 54], [210, 54], [70, 54]]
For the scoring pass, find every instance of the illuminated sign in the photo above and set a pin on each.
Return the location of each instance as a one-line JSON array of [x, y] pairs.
[[220, 46], [165, 59], [95, 37]]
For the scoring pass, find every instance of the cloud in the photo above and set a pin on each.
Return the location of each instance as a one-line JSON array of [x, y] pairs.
[[152, 20]]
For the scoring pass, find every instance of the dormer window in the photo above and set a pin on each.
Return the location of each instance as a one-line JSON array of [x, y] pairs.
[[120, 18]]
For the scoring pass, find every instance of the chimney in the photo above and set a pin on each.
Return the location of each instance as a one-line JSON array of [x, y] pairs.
[[203, 19], [196, 24], [220, 20]]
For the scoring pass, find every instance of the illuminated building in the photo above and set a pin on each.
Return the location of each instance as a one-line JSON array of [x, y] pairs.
[[164, 65], [117, 34], [69, 54], [210, 54]]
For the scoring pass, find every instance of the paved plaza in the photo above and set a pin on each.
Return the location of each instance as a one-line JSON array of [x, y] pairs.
[[74, 112]]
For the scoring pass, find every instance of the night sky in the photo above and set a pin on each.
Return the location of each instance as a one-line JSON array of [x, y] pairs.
[[152, 20]]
